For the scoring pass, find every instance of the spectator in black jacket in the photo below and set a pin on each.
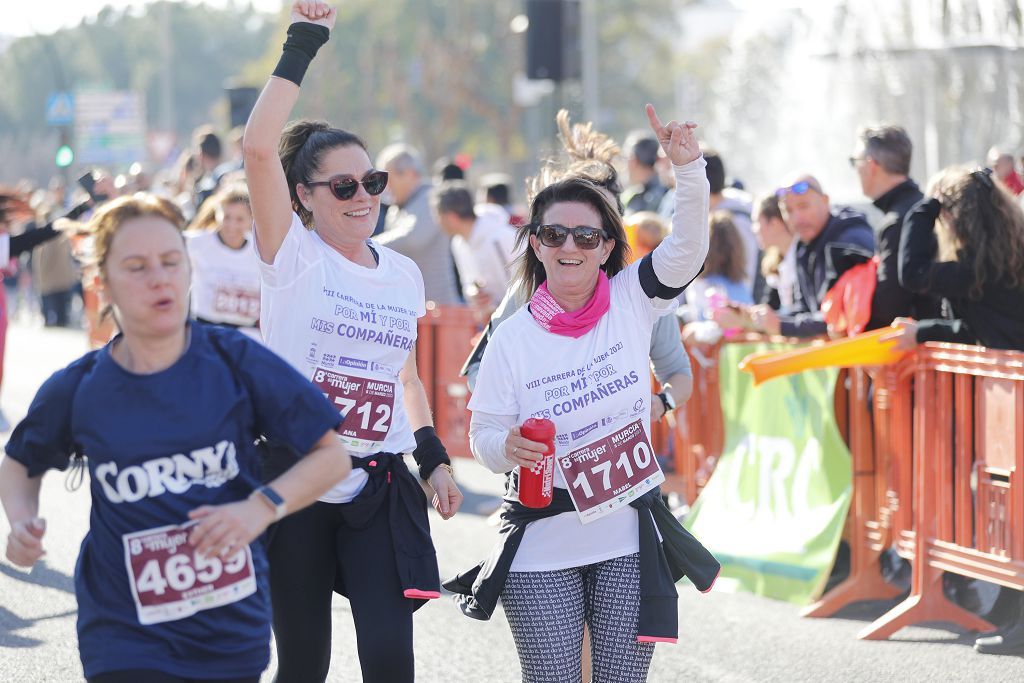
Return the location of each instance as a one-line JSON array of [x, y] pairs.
[[830, 243], [882, 162], [965, 243]]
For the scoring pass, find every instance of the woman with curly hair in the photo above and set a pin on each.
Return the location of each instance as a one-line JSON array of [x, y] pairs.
[[965, 243]]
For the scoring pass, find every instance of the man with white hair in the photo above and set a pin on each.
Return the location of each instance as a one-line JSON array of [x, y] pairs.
[[410, 228]]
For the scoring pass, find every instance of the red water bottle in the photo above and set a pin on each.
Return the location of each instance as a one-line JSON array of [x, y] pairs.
[[537, 483]]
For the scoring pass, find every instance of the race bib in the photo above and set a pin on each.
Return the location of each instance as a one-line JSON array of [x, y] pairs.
[[169, 581], [367, 404], [607, 474], [237, 301]]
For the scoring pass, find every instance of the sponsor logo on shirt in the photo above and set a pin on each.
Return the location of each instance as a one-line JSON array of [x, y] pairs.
[[211, 467], [580, 433], [344, 362]]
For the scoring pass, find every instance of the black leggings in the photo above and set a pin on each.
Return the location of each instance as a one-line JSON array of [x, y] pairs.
[[150, 676], [308, 550]]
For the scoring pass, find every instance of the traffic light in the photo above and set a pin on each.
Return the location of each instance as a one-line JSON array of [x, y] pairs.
[[65, 156]]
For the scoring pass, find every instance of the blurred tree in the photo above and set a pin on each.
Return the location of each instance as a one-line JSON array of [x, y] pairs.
[[439, 73], [121, 49]]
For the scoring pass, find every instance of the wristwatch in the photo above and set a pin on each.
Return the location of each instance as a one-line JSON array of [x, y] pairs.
[[273, 500], [667, 401]]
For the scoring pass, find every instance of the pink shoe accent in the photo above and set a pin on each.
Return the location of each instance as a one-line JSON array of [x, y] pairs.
[[373, 463], [417, 594], [652, 639]]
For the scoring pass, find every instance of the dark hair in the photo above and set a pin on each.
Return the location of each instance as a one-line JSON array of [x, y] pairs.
[[889, 146], [454, 196], [528, 269], [715, 170], [302, 148], [207, 142], [986, 230], [768, 206], [645, 151], [446, 169], [498, 193]]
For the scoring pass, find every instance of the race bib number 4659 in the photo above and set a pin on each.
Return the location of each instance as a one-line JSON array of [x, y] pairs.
[[170, 581], [367, 405], [607, 474]]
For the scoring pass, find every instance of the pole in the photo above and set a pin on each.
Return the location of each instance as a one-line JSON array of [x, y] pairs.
[[590, 55]]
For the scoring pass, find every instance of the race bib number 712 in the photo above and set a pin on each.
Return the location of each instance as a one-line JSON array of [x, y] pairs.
[[367, 405]]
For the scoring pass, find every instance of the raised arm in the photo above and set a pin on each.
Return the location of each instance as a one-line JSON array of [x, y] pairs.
[[268, 187], [680, 256]]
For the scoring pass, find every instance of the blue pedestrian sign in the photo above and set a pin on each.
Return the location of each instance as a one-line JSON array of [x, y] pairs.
[[60, 109]]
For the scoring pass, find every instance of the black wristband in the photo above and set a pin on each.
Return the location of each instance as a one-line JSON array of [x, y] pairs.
[[304, 39], [430, 452]]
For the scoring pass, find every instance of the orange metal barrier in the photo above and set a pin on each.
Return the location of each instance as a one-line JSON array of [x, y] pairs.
[[869, 526], [968, 492], [699, 433], [444, 340]]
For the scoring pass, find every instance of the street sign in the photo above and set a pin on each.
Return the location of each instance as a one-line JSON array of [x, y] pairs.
[[60, 109], [110, 127]]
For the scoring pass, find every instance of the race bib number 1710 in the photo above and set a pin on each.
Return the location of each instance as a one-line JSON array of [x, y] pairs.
[[609, 473]]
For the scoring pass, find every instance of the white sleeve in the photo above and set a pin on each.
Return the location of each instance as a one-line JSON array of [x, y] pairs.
[[680, 256], [487, 436], [5, 249]]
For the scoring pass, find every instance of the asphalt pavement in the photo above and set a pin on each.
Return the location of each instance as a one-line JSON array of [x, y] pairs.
[[723, 637]]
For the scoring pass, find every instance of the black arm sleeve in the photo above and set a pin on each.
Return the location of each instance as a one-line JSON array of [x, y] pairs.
[[918, 270], [652, 286], [28, 241], [953, 331]]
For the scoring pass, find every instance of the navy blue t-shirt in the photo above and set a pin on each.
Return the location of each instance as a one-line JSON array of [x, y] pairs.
[[159, 446]]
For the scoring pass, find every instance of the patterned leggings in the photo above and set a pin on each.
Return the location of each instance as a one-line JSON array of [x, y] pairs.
[[546, 611]]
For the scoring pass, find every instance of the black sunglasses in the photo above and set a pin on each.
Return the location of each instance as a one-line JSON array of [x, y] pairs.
[[584, 236], [344, 187]]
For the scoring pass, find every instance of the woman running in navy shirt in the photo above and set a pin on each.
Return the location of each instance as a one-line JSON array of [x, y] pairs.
[[171, 580]]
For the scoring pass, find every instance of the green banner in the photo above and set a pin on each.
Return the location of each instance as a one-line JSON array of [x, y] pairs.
[[774, 509]]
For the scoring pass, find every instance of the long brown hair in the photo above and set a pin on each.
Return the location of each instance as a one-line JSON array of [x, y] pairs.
[[726, 253], [589, 154], [984, 230], [528, 269]]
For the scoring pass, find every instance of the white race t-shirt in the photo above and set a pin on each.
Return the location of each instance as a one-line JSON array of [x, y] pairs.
[[590, 387], [485, 259], [349, 329], [225, 281]]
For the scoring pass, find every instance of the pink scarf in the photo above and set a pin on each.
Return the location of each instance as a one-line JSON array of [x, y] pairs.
[[556, 320]]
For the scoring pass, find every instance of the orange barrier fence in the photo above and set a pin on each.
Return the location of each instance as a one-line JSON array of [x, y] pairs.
[[937, 449], [967, 464], [444, 340]]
